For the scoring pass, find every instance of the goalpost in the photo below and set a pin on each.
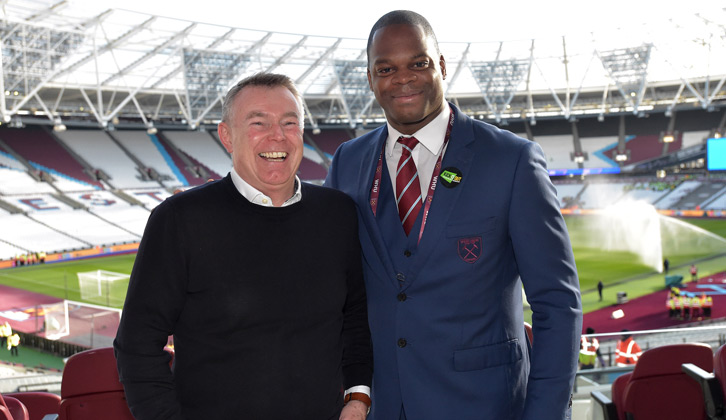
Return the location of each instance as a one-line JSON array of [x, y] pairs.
[[104, 287], [81, 323]]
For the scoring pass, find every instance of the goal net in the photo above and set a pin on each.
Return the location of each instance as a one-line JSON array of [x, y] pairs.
[[81, 323], [103, 287]]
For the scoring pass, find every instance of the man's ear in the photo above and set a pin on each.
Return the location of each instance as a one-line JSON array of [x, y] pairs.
[[225, 136], [442, 64]]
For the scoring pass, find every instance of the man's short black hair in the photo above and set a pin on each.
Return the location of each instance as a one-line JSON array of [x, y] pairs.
[[405, 17]]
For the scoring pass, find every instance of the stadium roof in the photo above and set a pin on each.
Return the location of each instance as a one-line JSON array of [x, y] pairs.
[[66, 62]]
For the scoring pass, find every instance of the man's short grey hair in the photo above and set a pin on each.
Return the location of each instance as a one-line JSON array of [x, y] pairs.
[[269, 80]]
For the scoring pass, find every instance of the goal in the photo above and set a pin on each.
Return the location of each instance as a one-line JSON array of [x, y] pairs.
[[81, 323], [103, 287]]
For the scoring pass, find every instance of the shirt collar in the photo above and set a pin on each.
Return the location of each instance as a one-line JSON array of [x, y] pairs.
[[431, 136], [254, 196]]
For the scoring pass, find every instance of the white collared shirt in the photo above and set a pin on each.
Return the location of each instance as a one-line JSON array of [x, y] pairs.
[[431, 137], [256, 197]]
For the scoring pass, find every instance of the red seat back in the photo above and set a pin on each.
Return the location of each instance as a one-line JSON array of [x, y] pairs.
[[38, 403], [719, 367], [12, 409], [90, 388], [658, 388], [618, 391]]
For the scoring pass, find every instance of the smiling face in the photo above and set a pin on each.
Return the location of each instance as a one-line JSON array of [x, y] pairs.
[[264, 134], [406, 75]]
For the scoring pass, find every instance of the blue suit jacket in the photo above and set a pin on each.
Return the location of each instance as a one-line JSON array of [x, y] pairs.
[[446, 314]]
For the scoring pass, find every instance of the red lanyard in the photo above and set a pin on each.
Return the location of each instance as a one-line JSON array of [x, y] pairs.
[[376, 187]]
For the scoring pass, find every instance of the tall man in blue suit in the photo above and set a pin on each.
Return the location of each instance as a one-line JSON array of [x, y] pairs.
[[444, 270]]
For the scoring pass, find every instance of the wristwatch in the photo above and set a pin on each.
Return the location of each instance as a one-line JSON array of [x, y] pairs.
[[359, 396]]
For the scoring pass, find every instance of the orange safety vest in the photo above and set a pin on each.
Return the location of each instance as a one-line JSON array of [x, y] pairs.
[[627, 352]]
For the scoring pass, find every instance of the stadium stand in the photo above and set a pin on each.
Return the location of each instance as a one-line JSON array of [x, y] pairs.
[[114, 210], [719, 201], [310, 170], [100, 151], [190, 171], [649, 192], [597, 149], [328, 140], [23, 232], [700, 196], [557, 151], [601, 194], [8, 251], [151, 154], [149, 198], [567, 193], [203, 148], [39, 147], [85, 226], [18, 181], [671, 200], [7, 160]]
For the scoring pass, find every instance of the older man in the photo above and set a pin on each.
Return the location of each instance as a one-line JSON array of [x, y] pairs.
[[258, 278]]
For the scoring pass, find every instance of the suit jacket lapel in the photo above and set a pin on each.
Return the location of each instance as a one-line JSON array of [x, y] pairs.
[[458, 155], [373, 153]]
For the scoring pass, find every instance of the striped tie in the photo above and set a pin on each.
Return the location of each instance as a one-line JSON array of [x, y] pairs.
[[408, 189]]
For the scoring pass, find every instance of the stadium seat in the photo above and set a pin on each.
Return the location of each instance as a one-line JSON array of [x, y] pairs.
[[12, 409], [39, 404], [657, 388], [90, 388], [713, 384]]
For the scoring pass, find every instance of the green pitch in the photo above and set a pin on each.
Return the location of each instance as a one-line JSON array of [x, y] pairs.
[[61, 279]]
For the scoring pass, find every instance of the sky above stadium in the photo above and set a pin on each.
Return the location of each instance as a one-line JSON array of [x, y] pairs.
[[478, 21]]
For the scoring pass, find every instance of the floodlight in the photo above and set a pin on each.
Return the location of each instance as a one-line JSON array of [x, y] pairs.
[[668, 138], [621, 157]]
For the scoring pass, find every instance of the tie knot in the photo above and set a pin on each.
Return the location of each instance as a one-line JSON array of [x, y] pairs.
[[408, 143]]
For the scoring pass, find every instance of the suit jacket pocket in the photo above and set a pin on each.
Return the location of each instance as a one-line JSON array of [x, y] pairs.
[[487, 356], [471, 228]]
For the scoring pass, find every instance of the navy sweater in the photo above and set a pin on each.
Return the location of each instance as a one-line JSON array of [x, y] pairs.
[[267, 308]]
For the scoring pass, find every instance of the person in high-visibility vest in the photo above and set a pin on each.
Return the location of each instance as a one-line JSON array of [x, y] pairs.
[[13, 342], [588, 350], [686, 302], [627, 351], [678, 304], [695, 307], [5, 332], [671, 306], [707, 305]]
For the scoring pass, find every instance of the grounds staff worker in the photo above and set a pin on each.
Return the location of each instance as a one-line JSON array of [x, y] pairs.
[[445, 307], [258, 276]]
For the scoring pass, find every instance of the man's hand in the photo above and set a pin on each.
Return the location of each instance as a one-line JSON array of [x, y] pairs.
[[354, 410]]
